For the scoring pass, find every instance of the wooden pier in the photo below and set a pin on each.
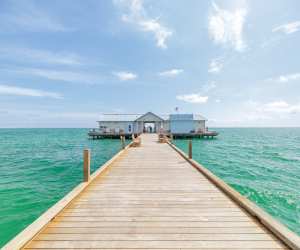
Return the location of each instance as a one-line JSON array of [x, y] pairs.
[[154, 197], [94, 134]]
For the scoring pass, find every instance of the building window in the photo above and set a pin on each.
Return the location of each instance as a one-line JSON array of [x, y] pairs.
[[129, 127]]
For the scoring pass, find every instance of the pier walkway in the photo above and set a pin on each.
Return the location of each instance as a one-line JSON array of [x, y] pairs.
[[150, 197]]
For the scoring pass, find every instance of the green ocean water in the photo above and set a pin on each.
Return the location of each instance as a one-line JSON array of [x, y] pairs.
[[263, 164], [38, 167]]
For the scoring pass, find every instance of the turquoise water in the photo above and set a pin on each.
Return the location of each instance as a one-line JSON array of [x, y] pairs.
[[261, 163], [38, 167]]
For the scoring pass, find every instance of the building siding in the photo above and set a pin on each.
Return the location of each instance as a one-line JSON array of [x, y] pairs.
[[177, 123], [178, 126]]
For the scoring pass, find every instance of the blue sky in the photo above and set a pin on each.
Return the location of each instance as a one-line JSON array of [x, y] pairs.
[[63, 63]]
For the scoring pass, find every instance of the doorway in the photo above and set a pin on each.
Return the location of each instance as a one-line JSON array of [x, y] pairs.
[[149, 127]]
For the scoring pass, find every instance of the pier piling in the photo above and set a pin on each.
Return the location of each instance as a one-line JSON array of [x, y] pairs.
[[123, 141], [86, 165], [190, 149]]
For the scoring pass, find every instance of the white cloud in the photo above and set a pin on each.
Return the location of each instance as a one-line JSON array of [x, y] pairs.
[[285, 78], [226, 27], [40, 56], [280, 107], [288, 28], [125, 76], [137, 14], [199, 97], [271, 110], [192, 98], [171, 72], [215, 66], [13, 90]]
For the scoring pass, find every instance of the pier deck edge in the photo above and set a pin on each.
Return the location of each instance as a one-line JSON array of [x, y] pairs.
[[288, 237], [27, 234]]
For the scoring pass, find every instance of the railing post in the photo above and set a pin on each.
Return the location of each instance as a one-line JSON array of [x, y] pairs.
[[190, 149], [86, 165], [171, 138], [123, 141]]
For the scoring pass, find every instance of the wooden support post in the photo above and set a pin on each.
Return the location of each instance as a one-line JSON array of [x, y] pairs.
[[171, 138], [86, 165], [190, 149], [123, 141]]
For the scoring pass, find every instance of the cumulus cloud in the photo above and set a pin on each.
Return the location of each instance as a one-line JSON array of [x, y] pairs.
[[226, 27], [171, 72], [125, 76], [137, 15], [288, 28], [14, 90], [200, 96], [192, 98]]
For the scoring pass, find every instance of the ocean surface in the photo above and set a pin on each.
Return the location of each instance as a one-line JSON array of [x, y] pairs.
[[39, 166], [263, 164]]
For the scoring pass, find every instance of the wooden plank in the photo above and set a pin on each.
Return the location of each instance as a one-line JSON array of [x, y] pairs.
[[66, 217], [152, 224], [156, 237], [156, 230], [156, 244], [148, 212]]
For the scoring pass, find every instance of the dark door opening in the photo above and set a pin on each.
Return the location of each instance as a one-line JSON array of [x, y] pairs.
[[149, 127]]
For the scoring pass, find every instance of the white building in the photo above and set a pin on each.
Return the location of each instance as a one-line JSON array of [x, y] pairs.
[[151, 123]]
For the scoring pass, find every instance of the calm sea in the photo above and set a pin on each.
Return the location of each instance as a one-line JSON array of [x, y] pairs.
[[39, 166], [261, 163]]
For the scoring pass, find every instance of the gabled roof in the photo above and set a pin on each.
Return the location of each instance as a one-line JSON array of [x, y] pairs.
[[149, 114]]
